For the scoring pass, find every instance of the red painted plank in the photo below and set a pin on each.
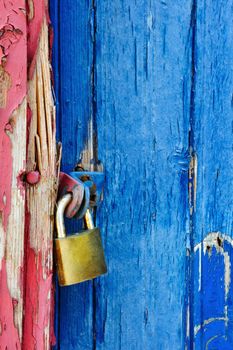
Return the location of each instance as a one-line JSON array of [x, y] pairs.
[[26, 210], [13, 79]]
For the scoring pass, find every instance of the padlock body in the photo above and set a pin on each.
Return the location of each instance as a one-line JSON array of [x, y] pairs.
[[80, 257]]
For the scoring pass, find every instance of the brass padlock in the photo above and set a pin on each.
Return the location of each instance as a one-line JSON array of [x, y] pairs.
[[80, 257]]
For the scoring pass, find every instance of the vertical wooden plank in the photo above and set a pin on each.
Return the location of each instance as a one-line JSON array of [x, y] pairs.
[[72, 61], [41, 188], [143, 83], [75, 25], [13, 79], [140, 97], [212, 144], [140, 104], [28, 162]]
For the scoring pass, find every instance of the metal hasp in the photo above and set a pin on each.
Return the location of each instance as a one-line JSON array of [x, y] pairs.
[[80, 257], [79, 203], [94, 180]]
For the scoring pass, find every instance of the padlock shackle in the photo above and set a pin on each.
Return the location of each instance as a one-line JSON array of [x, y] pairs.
[[61, 207], [88, 220]]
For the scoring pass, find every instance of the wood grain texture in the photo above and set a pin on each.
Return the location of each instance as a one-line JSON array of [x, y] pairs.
[[73, 87], [41, 198], [212, 143], [13, 79], [143, 77], [136, 89], [26, 211]]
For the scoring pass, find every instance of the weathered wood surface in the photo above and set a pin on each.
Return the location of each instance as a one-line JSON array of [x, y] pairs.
[[27, 143], [212, 325], [142, 117], [129, 70], [73, 89], [41, 197], [13, 79]]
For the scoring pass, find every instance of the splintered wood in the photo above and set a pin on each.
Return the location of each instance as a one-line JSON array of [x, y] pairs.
[[27, 152], [13, 110], [40, 202]]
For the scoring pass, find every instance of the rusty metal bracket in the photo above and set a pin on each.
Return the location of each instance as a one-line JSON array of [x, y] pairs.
[[93, 180], [80, 195]]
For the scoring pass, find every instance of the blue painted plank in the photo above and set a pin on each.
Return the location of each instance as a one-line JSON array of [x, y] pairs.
[[73, 73], [138, 54], [143, 64], [213, 146], [72, 64]]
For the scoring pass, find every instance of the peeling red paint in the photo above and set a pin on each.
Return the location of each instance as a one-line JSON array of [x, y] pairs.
[[13, 58], [18, 47], [13, 90], [36, 14], [37, 303], [9, 36], [9, 337], [37, 297]]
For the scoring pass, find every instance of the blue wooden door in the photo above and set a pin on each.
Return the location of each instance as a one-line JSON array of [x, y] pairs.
[[211, 142], [148, 84]]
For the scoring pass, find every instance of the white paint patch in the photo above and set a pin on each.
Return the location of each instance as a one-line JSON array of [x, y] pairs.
[[227, 276], [212, 239], [215, 239], [14, 244], [150, 21], [226, 313], [4, 199], [210, 320]]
